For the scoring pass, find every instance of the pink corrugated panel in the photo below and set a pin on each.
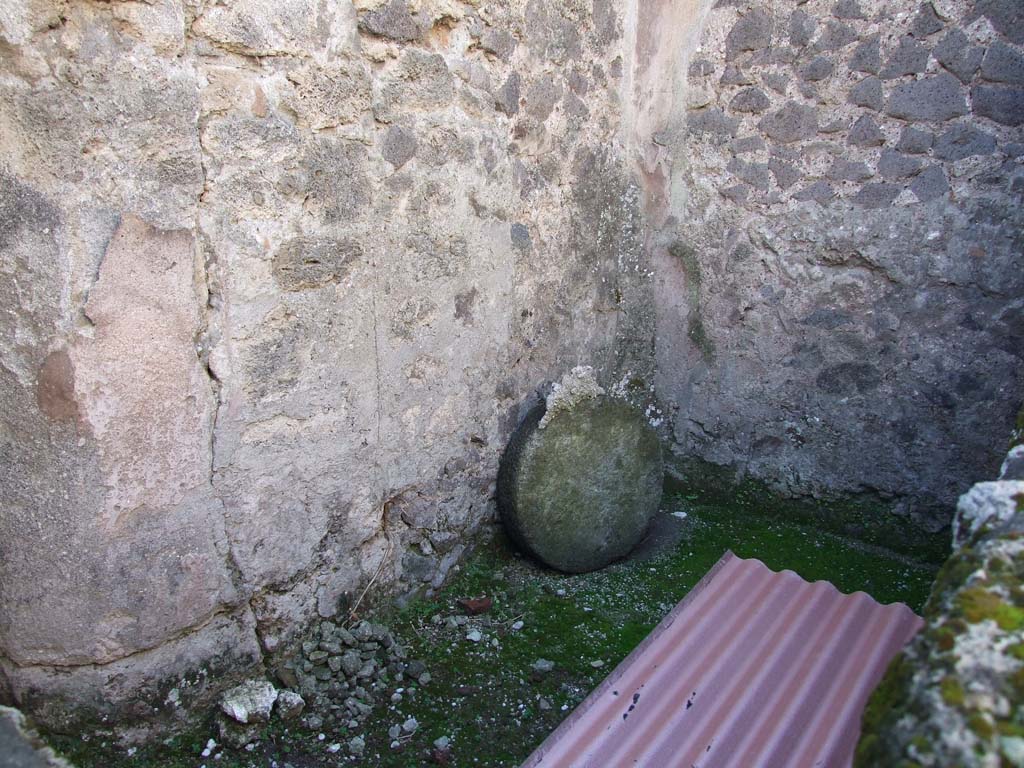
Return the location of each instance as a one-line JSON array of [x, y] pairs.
[[753, 669]]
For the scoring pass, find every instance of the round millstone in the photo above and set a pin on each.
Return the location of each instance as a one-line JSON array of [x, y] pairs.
[[579, 492]]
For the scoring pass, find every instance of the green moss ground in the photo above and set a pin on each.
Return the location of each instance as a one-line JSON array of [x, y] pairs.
[[865, 517], [485, 697]]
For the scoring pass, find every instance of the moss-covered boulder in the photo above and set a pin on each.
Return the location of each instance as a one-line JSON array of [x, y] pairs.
[[580, 481], [955, 696]]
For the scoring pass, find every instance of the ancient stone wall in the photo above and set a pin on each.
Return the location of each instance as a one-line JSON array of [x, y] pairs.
[[278, 280], [833, 194]]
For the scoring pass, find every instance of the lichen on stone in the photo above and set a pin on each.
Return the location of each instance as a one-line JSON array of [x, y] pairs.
[[955, 696], [576, 386], [984, 505]]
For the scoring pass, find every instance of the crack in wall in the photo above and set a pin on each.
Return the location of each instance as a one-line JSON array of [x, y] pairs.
[[226, 609], [207, 337]]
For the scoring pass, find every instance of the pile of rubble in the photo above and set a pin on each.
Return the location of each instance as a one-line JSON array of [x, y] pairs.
[[340, 673]]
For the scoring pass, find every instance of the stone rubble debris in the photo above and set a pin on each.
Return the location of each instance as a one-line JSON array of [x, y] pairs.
[[341, 674], [250, 702]]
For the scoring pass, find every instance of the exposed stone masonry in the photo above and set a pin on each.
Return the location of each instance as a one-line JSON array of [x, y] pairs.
[[279, 279], [845, 179]]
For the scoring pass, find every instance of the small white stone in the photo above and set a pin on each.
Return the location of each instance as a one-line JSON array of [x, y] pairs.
[[597, 663], [474, 636], [410, 725], [250, 702], [1013, 749], [442, 743], [334, 748], [543, 665], [516, 626]]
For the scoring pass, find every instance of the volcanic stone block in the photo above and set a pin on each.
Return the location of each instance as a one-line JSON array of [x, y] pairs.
[[909, 58], [914, 141], [579, 492], [956, 54], [893, 165], [849, 170], [867, 57], [931, 98], [750, 100], [793, 122], [1003, 105], [930, 184], [818, 68], [819, 192], [866, 133], [868, 93], [399, 146], [964, 140], [876, 195], [801, 28], [751, 33], [393, 21], [927, 22], [1003, 64]]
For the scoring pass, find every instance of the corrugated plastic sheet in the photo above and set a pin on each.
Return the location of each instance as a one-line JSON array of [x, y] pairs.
[[753, 669]]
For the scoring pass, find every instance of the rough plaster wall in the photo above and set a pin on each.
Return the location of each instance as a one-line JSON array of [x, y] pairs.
[[833, 193], [278, 280]]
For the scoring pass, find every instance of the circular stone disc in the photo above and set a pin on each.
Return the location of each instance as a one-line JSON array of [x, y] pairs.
[[580, 493]]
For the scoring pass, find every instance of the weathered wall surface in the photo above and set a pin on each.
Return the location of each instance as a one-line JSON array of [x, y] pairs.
[[833, 191], [278, 278]]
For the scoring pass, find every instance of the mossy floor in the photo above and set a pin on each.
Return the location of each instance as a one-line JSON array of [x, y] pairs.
[[485, 697]]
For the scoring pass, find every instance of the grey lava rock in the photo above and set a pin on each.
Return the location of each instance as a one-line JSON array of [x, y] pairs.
[[792, 122], [393, 21], [399, 146], [289, 705], [581, 480], [235, 734], [357, 745], [250, 702], [543, 665], [1003, 105], [939, 97]]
